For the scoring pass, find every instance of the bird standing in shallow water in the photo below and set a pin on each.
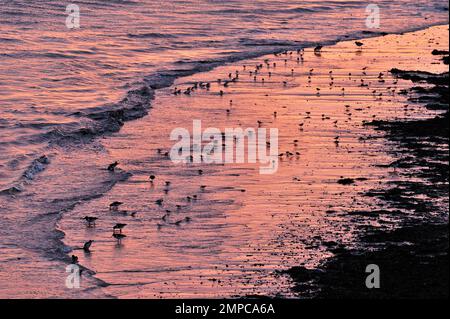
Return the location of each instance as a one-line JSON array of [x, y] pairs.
[[115, 205], [359, 44], [119, 237], [112, 167], [90, 220]]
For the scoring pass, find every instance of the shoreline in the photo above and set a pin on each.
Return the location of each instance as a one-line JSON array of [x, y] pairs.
[[215, 67], [129, 128], [136, 103]]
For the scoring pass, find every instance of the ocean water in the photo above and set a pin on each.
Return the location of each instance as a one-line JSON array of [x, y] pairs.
[[52, 77], [63, 91]]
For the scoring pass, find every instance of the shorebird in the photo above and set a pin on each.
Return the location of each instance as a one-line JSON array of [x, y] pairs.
[[118, 227], [90, 220], [119, 237], [115, 205], [159, 202], [74, 259], [112, 167], [152, 178], [359, 44], [164, 218], [336, 140], [87, 245], [318, 48]]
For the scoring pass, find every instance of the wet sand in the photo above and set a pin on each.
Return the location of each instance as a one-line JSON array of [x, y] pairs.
[[244, 228], [414, 257]]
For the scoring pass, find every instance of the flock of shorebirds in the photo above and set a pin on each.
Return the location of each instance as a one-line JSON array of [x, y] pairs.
[[233, 78], [116, 229], [257, 74], [114, 207]]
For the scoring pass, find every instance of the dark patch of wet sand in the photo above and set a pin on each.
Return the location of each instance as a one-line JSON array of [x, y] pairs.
[[413, 264]]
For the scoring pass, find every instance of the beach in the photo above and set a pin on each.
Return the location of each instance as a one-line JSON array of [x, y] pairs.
[[224, 230], [245, 228]]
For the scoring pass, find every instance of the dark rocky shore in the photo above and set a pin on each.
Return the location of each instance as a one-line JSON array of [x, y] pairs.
[[413, 259]]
